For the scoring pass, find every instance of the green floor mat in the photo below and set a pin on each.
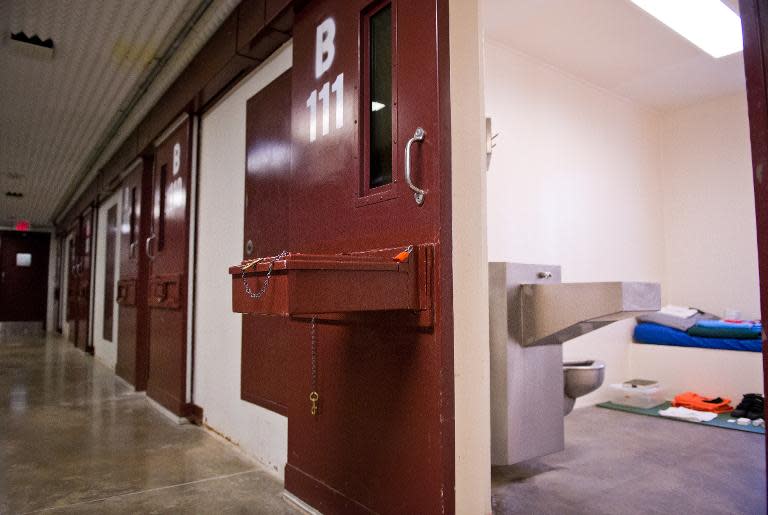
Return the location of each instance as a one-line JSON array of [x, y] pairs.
[[720, 421]]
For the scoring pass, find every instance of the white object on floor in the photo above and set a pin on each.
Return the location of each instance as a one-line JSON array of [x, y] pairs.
[[731, 420], [758, 422], [691, 415], [678, 311], [743, 421]]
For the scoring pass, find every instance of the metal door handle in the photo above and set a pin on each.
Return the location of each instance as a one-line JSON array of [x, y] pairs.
[[147, 245], [418, 193]]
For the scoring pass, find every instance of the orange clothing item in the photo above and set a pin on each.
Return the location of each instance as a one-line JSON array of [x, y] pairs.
[[695, 401]]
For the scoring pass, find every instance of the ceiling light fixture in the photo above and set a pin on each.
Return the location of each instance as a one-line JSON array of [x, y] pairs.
[[708, 24]]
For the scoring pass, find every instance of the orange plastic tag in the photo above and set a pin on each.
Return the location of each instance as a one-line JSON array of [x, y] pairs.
[[402, 257]]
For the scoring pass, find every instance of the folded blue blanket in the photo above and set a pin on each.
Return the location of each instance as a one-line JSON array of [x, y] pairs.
[[723, 329], [661, 335]]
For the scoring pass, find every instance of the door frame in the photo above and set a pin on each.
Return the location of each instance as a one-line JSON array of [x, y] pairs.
[[754, 20]]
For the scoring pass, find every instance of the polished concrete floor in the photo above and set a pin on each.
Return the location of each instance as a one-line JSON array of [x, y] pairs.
[[621, 463], [74, 439]]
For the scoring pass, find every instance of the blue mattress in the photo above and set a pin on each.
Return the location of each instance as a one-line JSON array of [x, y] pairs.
[[661, 335]]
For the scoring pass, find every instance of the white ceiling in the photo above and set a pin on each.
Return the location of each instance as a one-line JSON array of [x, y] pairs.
[[617, 46], [54, 111]]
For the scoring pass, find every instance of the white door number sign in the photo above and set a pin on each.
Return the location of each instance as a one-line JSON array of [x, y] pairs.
[[176, 158], [325, 51]]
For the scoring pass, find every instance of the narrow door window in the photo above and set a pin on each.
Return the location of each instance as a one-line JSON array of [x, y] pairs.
[[162, 207], [132, 216], [377, 98]]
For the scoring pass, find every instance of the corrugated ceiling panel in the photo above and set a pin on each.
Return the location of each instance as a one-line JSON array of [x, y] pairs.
[[53, 111]]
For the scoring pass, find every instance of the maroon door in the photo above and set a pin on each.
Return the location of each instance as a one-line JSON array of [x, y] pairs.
[[266, 340], [754, 16], [167, 247], [23, 276], [367, 87], [84, 248], [72, 290], [132, 340], [59, 296]]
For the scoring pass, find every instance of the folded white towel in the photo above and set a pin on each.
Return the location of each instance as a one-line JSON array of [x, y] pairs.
[[691, 415], [678, 311]]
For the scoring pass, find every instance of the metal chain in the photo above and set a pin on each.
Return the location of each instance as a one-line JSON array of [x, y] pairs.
[[313, 336], [261, 291], [314, 397]]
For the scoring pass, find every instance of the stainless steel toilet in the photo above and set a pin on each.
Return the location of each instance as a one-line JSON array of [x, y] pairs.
[[581, 378]]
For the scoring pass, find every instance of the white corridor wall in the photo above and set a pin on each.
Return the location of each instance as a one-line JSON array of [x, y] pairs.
[[260, 433], [66, 327], [105, 350]]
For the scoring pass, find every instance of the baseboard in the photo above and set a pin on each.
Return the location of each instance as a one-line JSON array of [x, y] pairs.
[[313, 492], [128, 385], [168, 413], [298, 503]]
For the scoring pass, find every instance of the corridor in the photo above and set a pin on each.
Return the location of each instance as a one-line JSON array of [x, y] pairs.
[[75, 439]]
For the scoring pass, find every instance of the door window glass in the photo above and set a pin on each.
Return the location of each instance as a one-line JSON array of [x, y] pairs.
[[161, 214], [380, 88], [24, 260]]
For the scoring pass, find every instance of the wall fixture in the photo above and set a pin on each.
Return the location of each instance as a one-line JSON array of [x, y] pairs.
[[32, 46], [490, 142], [709, 24]]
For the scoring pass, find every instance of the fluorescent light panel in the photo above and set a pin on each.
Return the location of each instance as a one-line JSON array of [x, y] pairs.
[[708, 24]]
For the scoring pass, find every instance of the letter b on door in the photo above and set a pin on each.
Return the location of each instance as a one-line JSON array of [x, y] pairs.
[[325, 49]]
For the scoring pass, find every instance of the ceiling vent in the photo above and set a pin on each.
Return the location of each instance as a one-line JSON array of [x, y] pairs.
[[32, 46]]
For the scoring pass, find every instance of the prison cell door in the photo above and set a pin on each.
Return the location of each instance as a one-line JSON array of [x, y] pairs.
[[167, 248], [23, 275], [132, 344], [71, 293], [266, 340], [84, 252], [370, 176]]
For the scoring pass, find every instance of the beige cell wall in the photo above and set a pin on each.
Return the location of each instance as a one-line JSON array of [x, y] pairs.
[[470, 263]]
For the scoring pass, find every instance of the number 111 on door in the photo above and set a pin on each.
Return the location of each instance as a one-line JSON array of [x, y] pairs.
[[336, 88]]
